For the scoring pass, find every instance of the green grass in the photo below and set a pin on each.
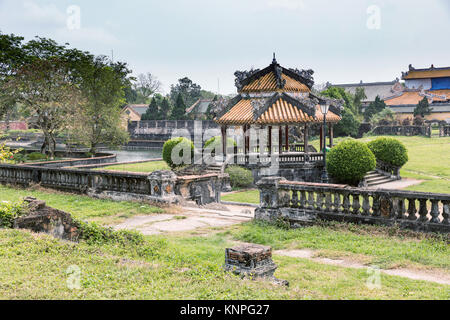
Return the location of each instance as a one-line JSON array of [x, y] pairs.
[[36, 267], [374, 245], [81, 206], [139, 167], [245, 196]]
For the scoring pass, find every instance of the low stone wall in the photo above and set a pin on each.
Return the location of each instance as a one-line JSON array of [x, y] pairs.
[[97, 160], [301, 203], [159, 186], [444, 131], [403, 130], [161, 130]]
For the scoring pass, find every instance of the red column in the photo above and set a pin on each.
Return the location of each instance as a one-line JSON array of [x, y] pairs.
[[270, 139], [280, 140], [287, 138], [224, 140]]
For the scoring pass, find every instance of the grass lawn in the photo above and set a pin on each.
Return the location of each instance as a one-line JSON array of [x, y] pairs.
[[189, 265], [139, 167], [245, 196], [81, 206], [182, 267]]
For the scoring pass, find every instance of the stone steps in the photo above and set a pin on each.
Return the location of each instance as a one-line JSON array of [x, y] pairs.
[[373, 179]]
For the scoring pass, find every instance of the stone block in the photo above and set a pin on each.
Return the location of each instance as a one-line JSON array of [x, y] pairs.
[[251, 260]]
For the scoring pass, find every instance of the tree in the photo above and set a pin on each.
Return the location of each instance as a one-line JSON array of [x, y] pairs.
[[164, 109], [152, 111], [349, 125], [102, 85], [179, 110], [44, 88], [146, 85], [11, 56], [422, 108], [360, 95], [189, 91], [374, 107]]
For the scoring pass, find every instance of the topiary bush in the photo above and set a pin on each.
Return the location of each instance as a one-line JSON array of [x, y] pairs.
[[350, 161], [389, 150], [239, 177], [183, 143], [216, 142]]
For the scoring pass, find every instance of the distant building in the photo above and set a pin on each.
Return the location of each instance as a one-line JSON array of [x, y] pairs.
[[372, 89], [198, 110], [133, 112], [432, 83]]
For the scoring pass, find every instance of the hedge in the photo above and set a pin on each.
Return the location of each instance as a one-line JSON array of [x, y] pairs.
[[240, 177], [183, 143], [216, 142], [389, 150], [350, 161]]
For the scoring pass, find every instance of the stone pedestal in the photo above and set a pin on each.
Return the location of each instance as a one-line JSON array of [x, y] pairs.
[[251, 260]]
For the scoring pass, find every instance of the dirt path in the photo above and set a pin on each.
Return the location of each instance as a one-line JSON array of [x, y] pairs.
[[189, 218], [399, 184], [432, 276]]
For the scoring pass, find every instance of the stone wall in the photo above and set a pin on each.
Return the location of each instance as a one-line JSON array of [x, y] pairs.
[[300, 203], [444, 131], [159, 186], [14, 125], [403, 130], [162, 130]]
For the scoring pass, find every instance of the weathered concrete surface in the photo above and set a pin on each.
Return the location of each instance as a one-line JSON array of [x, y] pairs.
[[190, 218], [427, 275]]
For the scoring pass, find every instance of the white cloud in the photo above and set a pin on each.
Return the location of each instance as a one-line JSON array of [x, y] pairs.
[[287, 4]]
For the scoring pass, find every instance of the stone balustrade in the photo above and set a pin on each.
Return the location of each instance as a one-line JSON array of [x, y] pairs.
[[444, 131], [403, 130], [388, 170], [159, 186], [303, 203]]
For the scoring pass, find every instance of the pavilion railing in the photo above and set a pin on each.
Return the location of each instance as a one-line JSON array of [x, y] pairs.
[[305, 202], [287, 159]]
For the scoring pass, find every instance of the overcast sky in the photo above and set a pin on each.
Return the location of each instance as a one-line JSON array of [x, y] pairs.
[[342, 41]]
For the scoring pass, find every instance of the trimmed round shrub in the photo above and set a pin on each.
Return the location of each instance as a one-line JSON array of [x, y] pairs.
[[389, 150], [216, 142], [350, 161], [240, 177], [183, 144]]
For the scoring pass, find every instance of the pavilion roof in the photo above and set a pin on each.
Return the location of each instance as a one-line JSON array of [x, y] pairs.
[[279, 108], [274, 78]]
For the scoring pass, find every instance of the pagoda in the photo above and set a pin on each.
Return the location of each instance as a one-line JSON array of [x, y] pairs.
[[276, 98]]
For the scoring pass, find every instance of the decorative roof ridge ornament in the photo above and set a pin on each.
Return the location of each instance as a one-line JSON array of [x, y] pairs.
[[242, 75], [278, 76], [274, 61], [307, 75]]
